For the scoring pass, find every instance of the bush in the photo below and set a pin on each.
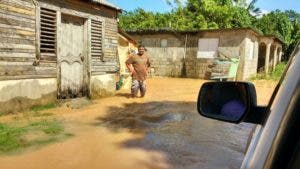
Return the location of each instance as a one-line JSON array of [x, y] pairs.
[[274, 75]]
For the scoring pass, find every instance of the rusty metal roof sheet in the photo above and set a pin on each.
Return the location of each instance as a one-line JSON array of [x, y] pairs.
[[126, 35], [105, 3]]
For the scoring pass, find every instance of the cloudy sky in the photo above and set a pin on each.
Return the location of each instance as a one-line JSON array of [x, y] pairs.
[[162, 6]]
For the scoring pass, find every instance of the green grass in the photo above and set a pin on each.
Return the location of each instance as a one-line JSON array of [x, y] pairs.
[[48, 127], [274, 75], [43, 107], [12, 136]]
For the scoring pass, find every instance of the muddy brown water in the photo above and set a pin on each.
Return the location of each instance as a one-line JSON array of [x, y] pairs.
[[161, 131]]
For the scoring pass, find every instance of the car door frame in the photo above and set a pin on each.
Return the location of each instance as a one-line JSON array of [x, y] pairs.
[[261, 152]]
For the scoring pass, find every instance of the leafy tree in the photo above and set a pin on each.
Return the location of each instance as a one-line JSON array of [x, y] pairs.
[[284, 25], [276, 23], [295, 34], [241, 18], [216, 12], [138, 19]]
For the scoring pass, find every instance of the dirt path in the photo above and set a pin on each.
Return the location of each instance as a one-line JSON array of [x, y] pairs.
[[162, 130]]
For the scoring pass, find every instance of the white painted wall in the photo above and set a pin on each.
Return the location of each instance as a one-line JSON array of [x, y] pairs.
[[103, 85], [28, 88], [250, 58], [207, 47]]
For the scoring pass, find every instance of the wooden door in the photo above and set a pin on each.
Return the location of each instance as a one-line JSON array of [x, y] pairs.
[[71, 57]]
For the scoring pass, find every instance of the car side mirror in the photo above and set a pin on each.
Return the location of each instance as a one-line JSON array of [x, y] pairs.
[[229, 101]]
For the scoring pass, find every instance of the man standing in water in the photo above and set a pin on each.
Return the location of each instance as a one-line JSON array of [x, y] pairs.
[[138, 65]]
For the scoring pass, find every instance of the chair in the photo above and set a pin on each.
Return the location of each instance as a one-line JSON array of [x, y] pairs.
[[230, 73]]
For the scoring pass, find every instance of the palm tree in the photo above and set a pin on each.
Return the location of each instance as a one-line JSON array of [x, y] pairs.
[[249, 6], [176, 2]]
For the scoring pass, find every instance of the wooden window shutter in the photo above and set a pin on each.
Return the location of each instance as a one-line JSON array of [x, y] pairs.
[[96, 41], [48, 34]]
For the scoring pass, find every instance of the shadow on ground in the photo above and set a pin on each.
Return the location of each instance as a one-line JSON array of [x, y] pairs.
[[142, 117], [177, 130]]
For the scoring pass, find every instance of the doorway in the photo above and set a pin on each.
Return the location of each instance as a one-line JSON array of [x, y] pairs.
[[72, 58]]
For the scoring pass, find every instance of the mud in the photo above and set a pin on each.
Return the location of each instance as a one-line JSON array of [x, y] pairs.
[[19, 104], [161, 131]]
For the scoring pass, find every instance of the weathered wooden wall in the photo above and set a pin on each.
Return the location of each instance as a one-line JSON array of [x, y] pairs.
[[19, 43], [109, 61], [17, 46]]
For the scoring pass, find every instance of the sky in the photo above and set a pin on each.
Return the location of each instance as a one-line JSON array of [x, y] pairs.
[[162, 6]]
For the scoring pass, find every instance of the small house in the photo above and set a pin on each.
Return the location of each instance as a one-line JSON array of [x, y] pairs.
[[193, 53]]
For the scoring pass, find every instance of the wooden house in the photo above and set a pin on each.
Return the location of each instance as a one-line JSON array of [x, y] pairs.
[[53, 49]]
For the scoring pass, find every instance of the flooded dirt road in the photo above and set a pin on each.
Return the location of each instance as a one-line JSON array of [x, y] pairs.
[[161, 131]]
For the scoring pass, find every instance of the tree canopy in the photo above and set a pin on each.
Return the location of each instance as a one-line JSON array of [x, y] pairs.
[[214, 14]]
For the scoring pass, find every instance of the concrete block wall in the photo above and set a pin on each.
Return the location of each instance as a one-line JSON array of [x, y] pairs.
[[19, 95], [166, 67], [198, 68], [165, 61]]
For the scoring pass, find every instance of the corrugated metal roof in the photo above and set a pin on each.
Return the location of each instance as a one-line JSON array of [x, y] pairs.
[[106, 3], [168, 30], [123, 33], [171, 31]]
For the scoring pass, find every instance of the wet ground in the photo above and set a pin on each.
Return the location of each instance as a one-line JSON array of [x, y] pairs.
[[161, 131]]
